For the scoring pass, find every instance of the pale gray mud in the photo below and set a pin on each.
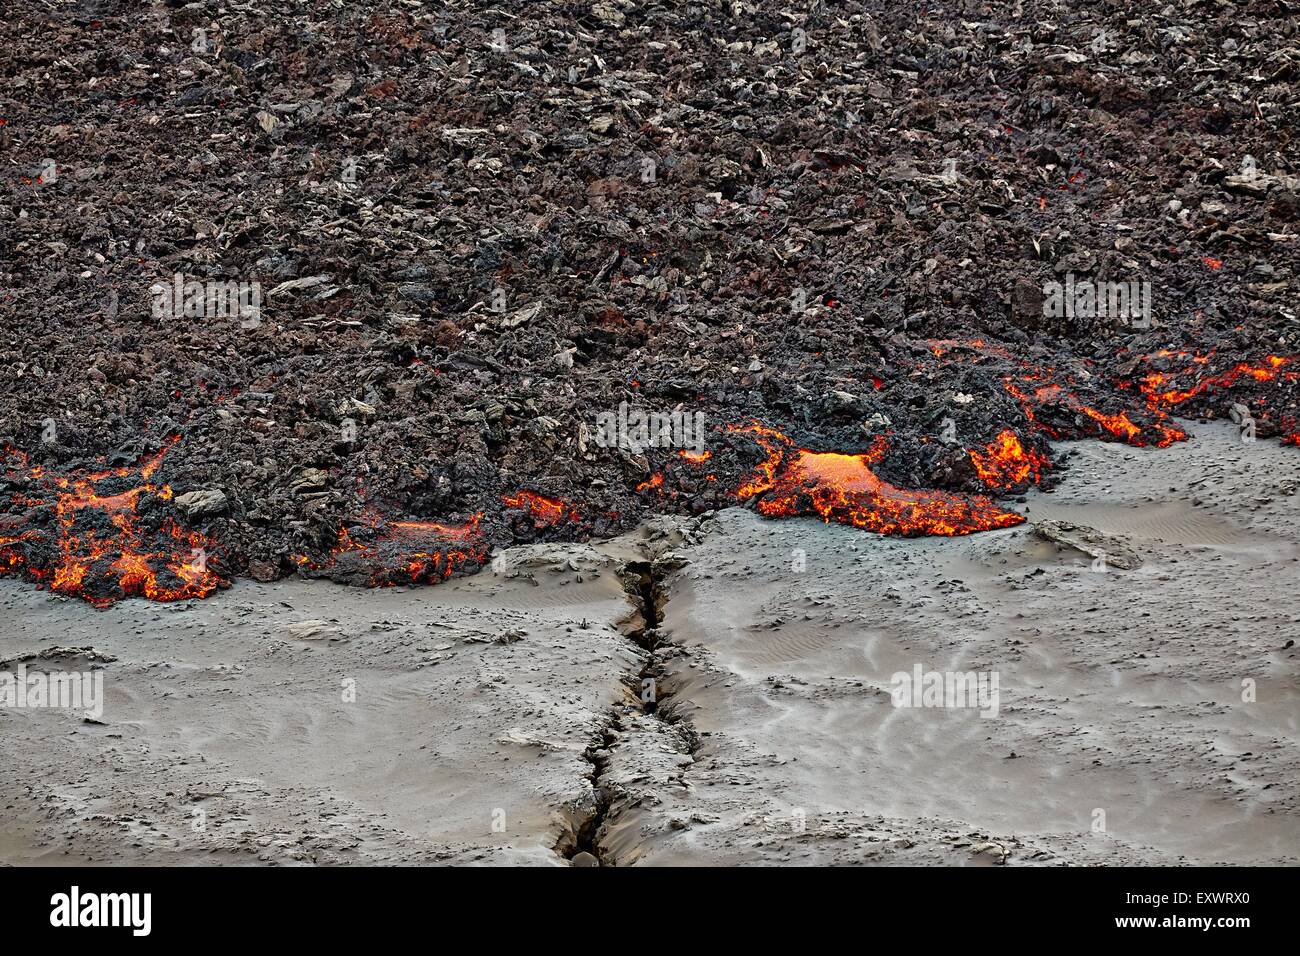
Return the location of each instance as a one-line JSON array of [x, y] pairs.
[[316, 723], [712, 691]]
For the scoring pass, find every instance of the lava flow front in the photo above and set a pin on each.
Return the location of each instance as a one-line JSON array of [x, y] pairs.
[[381, 553], [842, 487], [545, 512], [1061, 401], [102, 535], [1006, 463], [1049, 398], [1156, 386]]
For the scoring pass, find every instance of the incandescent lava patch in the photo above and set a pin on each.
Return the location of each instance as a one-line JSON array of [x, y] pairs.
[[1005, 463], [102, 535], [544, 511], [380, 552], [842, 487]]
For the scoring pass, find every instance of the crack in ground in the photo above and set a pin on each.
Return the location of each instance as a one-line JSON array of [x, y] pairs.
[[644, 583]]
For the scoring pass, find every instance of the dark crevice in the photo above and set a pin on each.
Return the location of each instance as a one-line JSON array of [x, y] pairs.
[[643, 581], [642, 584], [585, 837]]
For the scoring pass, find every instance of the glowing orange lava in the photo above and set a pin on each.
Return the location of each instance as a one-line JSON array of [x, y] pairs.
[[1033, 398], [841, 487], [403, 552], [546, 512], [96, 536], [695, 457], [1158, 395], [1005, 463], [1041, 389]]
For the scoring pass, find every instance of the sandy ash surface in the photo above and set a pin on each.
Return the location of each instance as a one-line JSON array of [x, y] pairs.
[[500, 718]]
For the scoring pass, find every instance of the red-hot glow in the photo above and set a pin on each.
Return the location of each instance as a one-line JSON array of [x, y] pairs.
[[695, 457], [84, 535], [1035, 397], [841, 487], [1005, 463], [546, 512], [1039, 389], [1154, 386], [404, 552]]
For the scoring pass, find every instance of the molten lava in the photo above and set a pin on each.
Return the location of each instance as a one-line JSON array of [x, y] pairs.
[[103, 535], [1005, 463], [402, 552], [1159, 395], [841, 487], [1047, 394], [654, 483], [1035, 398], [545, 512]]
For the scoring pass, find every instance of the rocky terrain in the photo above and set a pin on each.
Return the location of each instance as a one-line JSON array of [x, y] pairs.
[[473, 229]]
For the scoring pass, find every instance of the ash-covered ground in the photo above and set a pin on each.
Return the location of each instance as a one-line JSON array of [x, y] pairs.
[[464, 232]]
